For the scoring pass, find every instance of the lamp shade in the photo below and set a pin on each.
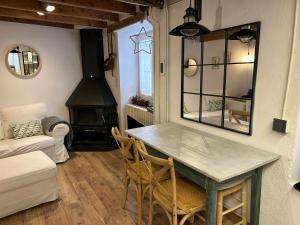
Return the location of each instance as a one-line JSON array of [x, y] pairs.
[[245, 35], [189, 29], [190, 26]]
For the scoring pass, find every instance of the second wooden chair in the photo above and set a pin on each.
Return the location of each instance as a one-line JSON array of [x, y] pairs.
[[177, 196], [136, 171]]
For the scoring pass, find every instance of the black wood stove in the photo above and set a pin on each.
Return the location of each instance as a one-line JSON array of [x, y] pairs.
[[92, 107]]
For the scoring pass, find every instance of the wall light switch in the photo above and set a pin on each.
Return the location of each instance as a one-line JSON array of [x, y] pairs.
[[280, 125]]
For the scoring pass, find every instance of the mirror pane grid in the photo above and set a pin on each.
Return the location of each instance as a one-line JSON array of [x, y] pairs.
[[223, 64]]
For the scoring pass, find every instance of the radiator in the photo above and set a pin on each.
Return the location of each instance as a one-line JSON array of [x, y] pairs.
[[140, 114]]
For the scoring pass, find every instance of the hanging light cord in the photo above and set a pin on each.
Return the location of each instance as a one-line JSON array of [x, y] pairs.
[[287, 87]]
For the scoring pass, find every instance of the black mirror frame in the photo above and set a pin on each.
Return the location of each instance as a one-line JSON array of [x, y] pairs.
[[258, 27]]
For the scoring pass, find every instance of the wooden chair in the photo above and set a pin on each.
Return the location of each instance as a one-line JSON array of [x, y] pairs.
[[241, 187], [177, 196], [237, 115], [135, 170]]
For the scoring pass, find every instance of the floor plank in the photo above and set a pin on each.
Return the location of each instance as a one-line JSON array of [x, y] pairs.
[[91, 193]]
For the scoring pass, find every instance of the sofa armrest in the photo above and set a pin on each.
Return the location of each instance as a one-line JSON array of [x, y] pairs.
[[60, 130]]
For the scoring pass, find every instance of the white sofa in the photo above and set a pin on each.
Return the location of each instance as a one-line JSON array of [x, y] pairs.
[[52, 144]]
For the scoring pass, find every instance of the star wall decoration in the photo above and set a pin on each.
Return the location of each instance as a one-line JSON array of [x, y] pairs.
[[140, 36]]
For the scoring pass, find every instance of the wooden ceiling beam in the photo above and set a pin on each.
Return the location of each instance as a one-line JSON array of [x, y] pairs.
[[126, 22], [20, 14], [155, 3], [103, 5], [34, 6], [35, 22]]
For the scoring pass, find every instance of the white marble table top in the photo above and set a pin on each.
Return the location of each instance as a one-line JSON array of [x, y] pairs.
[[215, 157]]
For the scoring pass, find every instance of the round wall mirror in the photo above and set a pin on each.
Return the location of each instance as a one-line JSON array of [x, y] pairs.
[[23, 61], [190, 68]]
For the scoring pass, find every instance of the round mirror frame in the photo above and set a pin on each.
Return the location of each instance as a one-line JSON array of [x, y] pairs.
[[190, 65], [16, 74]]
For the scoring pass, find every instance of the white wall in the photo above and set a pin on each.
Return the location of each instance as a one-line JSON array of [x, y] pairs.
[[123, 81], [61, 71], [280, 203]]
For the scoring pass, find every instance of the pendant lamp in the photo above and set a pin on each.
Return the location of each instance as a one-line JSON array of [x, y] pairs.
[[190, 26], [245, 35]]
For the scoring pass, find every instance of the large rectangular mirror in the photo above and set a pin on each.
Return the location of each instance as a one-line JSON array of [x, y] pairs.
[[218, 77]]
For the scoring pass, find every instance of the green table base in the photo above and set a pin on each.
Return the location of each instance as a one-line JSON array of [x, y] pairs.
[[212, 188]]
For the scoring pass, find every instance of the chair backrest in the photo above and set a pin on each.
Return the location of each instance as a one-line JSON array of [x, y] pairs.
[[129, 153], [158, 169], [125, 144]]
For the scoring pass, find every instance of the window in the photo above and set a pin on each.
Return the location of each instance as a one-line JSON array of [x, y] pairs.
[[145, 68]]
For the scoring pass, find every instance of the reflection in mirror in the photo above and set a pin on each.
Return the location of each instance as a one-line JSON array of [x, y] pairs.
[[192, 83], [213, 80], [239, 52], [241, 43], [225, 81], [23, 61], [190, 67], [239, 80], [212, 110], [238, 114], [190, 107], [214, 48], [192, 49]]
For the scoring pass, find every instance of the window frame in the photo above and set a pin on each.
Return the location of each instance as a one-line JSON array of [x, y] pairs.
[[148, 97]]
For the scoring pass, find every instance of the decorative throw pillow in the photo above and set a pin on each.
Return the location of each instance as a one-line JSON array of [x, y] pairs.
[[215, 105], [29, 129]]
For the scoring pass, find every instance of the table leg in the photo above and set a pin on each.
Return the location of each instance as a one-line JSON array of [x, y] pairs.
[[211, 202], [255, 196]]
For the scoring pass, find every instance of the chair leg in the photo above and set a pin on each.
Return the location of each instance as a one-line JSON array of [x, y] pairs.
[[150, 206], [174, 218], [245, 202], [139, 203], [185, 218], [126, 184], [220, 209]]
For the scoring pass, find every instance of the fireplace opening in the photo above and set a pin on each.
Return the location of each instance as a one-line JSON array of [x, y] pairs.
[[88, 116]]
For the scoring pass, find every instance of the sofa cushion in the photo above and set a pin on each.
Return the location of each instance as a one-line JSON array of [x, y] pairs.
[[25, 169], [29, 144], [1, 131], [21, 114], [4, 149]]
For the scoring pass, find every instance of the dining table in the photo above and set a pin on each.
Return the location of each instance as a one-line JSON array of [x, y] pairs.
[[209, 161]]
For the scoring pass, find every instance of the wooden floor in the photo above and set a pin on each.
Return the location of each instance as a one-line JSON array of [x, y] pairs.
[[91, 193]]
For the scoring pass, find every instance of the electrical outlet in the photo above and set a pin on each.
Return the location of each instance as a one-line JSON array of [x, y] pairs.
[[280, 125]]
